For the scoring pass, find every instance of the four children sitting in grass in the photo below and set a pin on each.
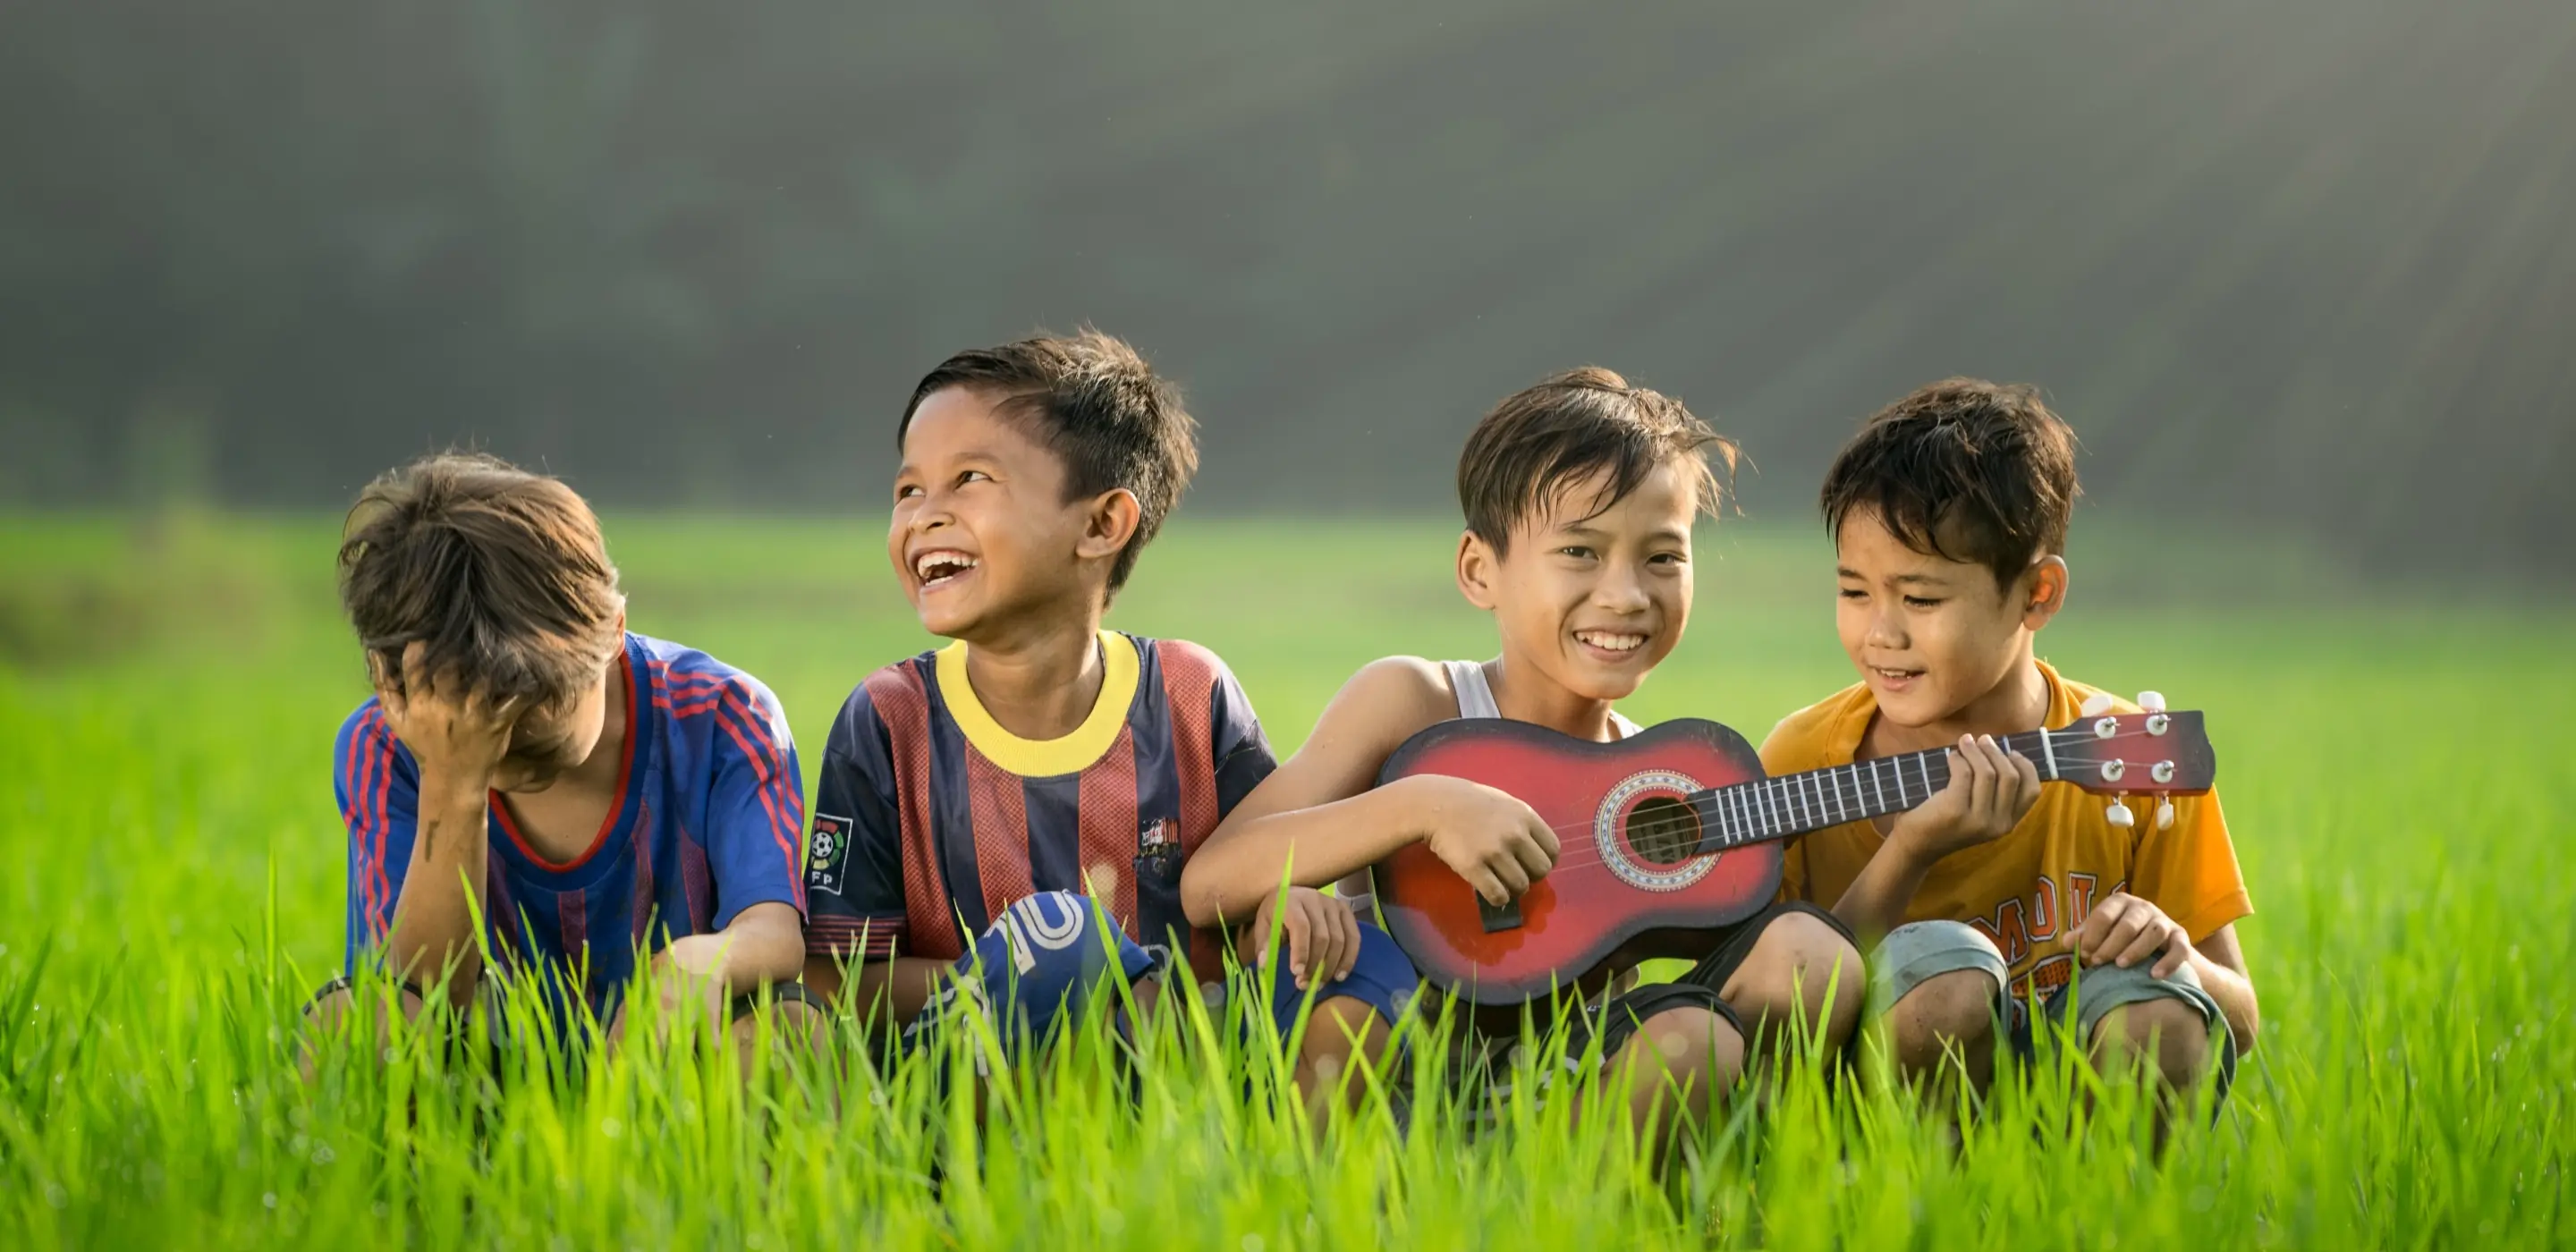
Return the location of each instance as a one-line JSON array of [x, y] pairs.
[[1008, 823]]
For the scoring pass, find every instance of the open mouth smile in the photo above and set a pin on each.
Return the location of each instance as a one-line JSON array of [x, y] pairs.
[[1611, 645], [941, 567]]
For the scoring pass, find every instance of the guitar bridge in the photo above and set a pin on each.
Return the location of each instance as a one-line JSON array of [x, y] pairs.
[[1499, 916]]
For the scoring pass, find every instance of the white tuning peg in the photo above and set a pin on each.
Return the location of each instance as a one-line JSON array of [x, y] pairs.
[[2164, 814], [2151, 701], [2098, 705], [2119, 815]]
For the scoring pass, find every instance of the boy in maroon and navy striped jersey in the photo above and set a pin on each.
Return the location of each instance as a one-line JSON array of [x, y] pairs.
[[973, 796]]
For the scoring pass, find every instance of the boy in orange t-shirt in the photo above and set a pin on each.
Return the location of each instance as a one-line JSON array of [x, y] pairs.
[[1948, 513]]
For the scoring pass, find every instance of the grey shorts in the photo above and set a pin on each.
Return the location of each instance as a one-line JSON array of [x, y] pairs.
[[1918, 951]]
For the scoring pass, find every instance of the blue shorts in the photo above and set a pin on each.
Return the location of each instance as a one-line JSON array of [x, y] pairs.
[[1382, 978], [1917, 951], [1037, 967]]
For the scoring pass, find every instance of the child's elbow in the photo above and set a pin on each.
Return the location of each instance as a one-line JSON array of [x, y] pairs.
[[1200, 899], [2247, 1029]]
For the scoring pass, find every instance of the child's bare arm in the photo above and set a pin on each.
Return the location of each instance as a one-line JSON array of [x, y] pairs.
[[1321, 815], [457, 737], [1990, 790], [765, 944], [901, 986]]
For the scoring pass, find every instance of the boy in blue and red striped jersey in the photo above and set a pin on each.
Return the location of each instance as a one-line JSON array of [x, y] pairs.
[[592, 793], [987, 788]]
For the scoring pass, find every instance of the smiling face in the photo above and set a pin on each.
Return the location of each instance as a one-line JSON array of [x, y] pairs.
[[983, 534], [1592, 603], [1934, 637]]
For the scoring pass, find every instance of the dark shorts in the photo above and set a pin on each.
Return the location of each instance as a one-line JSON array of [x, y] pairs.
[[1484, 1062]]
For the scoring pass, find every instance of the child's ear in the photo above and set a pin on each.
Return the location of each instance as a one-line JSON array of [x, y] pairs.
[[1476, 561], [2043, 591], [1110, 522]]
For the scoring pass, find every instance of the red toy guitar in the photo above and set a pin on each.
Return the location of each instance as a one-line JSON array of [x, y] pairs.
[[1675, 830]]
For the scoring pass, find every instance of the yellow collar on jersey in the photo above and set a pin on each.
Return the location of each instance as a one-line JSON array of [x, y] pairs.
[[1044, 758]]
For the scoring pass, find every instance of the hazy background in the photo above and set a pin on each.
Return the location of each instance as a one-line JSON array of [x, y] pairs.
[[2309, 262]]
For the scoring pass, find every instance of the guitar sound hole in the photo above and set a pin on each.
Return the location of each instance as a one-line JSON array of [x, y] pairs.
[[1663, 830]]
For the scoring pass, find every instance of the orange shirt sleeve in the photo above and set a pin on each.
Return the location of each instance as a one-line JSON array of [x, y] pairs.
[[2190, 871], [1779, 749]]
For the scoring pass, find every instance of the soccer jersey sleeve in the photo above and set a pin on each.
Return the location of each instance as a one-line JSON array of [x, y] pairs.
[[1243, 756], [2189, 871], [855, 870], [379, 795], [755, 805]]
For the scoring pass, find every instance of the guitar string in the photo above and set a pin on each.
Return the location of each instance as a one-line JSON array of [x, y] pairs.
[[1804, 805]]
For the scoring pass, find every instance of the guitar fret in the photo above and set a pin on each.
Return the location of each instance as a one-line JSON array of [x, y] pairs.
[[1874, 786], [1838, 796], [1922, 766], [1765, 802]]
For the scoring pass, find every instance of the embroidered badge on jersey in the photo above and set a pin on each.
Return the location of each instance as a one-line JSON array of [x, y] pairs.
[[827, 859]]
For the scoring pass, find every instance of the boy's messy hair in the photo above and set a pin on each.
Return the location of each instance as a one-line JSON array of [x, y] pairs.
[[1571, 427], [501, 573], [1099, 407], [1964, 469]]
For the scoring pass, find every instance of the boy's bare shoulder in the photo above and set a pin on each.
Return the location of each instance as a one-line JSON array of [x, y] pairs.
[[1395, 696]]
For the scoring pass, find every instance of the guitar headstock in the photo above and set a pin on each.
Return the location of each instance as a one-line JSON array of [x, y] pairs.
[[2149, 752]]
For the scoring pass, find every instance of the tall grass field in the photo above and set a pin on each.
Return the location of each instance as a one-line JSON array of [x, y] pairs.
[[2396, 766]]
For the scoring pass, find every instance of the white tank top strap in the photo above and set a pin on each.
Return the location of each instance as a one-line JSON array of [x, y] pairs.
[[1476, 696]]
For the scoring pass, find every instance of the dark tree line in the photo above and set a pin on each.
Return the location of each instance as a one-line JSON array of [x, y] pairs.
[[2307, 263]]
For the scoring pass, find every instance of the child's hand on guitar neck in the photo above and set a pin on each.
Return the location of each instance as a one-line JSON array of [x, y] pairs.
[[1990, 790], [1498, 843]]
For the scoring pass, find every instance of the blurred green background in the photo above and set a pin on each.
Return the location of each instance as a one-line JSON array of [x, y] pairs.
[[2305, 265]]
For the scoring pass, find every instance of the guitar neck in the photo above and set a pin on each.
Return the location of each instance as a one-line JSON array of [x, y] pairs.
[[1793, 804]]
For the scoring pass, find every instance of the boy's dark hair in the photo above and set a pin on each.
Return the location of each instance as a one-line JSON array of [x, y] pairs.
[[1570, 427], [1096, 404], [501, 573], [1964, 469]]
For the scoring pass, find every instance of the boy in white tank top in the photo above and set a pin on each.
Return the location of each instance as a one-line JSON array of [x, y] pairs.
[[1580, 494]]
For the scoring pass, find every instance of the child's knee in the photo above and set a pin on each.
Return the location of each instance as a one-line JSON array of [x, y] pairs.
[[1700, 1049], [1947, 1011], [1340, 1030], [2168, 1033], [1805, 957]]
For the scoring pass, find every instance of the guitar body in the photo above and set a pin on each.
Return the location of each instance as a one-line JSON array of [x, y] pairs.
[[1628, 884]]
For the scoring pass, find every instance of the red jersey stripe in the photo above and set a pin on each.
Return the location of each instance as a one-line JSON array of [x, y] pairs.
[[781, 807], [1189, 688], [896, 694], [1109, 835], [999, 804], [380, 761]]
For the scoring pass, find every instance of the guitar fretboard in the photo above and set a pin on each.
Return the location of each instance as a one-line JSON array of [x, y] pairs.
[[1793, 804]]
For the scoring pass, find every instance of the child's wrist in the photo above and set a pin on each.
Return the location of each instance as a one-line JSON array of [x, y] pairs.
[[453, 788], [1905, 845]]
